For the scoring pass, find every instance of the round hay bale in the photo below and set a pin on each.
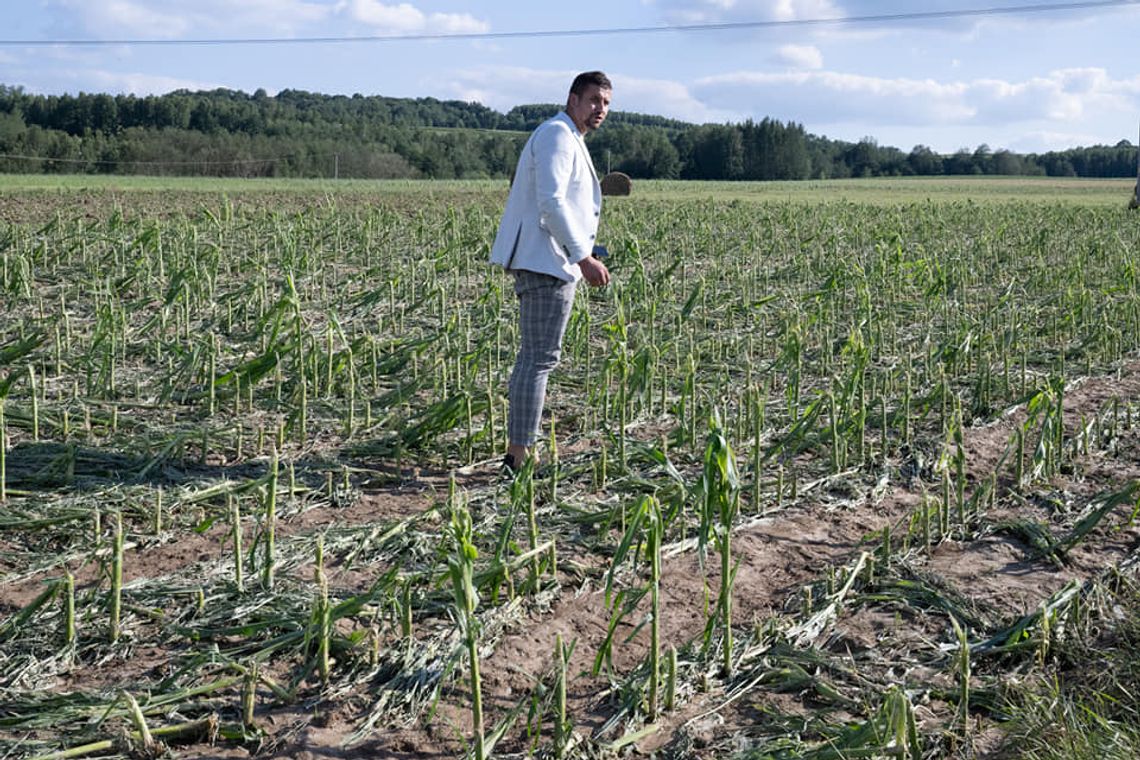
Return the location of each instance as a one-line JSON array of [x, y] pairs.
[[617, 183]]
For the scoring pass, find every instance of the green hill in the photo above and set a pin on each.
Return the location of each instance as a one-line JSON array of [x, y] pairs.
[[303, 134]]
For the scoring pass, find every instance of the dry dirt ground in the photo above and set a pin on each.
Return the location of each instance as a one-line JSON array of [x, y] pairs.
[[780, 552]]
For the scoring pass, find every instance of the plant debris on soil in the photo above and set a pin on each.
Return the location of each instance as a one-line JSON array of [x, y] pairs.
[[236, 443]]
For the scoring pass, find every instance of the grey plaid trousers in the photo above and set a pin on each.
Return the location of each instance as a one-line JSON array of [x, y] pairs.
[[544, 310]]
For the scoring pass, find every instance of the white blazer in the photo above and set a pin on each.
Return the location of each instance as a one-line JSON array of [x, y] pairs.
[[551, 217]]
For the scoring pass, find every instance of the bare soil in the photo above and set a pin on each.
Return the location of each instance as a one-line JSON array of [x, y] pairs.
[[780, 552]]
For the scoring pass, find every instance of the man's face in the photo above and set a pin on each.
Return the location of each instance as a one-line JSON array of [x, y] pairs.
[[589, 109]]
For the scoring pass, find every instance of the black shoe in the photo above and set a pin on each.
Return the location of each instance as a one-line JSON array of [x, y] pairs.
[[512, 467]]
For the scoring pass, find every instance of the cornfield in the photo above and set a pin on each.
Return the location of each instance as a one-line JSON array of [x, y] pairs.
[[249, 495]]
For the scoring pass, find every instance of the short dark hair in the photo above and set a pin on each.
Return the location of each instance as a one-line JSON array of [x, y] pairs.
[[587, 78]]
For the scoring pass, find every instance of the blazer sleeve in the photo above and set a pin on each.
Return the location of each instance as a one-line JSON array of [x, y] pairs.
[[555, 153]]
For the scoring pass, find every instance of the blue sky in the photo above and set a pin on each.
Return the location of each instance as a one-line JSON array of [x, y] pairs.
[[1025, 81]]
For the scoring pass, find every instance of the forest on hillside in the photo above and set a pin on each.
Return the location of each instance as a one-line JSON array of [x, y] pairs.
[[302, 134]]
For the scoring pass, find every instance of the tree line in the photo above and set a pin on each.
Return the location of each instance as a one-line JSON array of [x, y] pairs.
[[302, 134]]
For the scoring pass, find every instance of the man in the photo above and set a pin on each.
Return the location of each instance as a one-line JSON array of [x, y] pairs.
[[546, 240]]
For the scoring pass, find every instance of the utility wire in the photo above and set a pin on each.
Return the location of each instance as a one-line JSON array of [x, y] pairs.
[[884, 18]]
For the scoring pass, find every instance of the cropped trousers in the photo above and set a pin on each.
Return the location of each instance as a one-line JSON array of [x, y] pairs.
[[544, 310]]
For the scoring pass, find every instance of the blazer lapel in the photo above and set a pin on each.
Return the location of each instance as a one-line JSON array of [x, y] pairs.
[[581, 145], [589, 159]]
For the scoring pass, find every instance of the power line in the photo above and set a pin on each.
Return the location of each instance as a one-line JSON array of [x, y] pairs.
[[884, 18]]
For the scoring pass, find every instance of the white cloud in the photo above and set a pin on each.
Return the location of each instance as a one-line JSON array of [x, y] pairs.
[[407, 19], [1040, 141], [156, 19], [138, 83], [396, 18], [716, 11], [162, 19], [124, 18], [289, 15], [665, 98], [825, 97], [832, 97], [1059, 109], [797, 10], [91, 79], [1086, 80], [965, 27], [504, 87], [800, 56]]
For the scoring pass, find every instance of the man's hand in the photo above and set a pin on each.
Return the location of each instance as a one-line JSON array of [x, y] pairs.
[[594, 271]]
